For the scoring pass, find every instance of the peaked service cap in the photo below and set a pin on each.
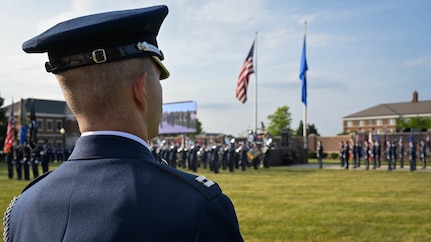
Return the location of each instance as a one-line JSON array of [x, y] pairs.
[[103, 37]]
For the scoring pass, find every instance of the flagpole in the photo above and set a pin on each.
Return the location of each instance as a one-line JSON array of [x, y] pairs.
[[255, 85], [304, 126]]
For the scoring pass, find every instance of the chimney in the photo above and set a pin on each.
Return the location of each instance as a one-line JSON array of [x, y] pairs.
[[415, 97]]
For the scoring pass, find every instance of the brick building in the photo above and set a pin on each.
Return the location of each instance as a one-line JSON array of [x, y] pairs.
[[56, 123], [382, 118]]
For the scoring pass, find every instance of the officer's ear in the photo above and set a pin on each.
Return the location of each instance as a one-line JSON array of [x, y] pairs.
[[139, 91]]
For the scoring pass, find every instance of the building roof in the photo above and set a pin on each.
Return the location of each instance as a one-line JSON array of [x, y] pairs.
[[421, 108], [41, 106]]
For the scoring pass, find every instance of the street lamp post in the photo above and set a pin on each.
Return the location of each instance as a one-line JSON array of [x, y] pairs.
[[63, 133]]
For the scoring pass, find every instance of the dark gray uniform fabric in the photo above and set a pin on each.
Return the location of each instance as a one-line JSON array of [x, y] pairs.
[[112, 189]]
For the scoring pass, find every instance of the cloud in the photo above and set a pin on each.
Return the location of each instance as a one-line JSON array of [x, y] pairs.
[[424, 61]]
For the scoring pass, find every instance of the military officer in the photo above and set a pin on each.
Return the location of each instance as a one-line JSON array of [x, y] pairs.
[[354, 153], [412, 155], [378, 153], [224, 159], [184, 155], [215, 159], [173, 156], [319, 153], [394, 155], [109, 68], [35, 160], [10, 161], [401, 153], [341, 153], [230, 157], [388, 154], [244, 157], [374, 156], [368, 151], [26, 162], [204, 157], [266, 156], [423, 154], [193, 158], [346, 154], [19, 158], [45, 158]]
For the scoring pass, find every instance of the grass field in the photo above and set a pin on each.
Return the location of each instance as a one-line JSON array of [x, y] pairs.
[[303, 204]]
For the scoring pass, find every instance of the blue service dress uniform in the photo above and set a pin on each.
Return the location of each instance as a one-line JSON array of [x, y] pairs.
[[112, 189]]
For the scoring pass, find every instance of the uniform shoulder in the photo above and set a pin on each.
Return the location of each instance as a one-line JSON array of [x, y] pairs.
[[207, 188]]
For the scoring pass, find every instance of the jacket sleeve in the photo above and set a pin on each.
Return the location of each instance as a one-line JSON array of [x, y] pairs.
[[219, 221]]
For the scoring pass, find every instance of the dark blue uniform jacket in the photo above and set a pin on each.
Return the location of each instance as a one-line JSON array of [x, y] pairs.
[[112, 189]]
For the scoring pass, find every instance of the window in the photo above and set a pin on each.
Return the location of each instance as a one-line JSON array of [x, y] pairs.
[[349, 124], [392, 121], [379, 122], [59, 125], [361, 123], [49, 125], [40, 125], [370, 122]]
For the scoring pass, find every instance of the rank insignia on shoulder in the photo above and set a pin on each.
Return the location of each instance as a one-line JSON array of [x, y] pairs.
[[204, 181]]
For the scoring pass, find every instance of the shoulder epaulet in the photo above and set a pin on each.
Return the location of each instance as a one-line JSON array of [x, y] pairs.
[[209, 189], [206, 187]]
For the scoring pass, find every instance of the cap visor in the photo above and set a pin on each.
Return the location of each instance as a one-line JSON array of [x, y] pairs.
[[164, 73]]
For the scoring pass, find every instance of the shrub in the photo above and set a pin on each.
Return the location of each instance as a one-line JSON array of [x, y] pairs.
[[334, 156], [312, 155]]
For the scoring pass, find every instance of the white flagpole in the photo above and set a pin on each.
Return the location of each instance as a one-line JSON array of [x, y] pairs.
[[255, 85], [304, 128]]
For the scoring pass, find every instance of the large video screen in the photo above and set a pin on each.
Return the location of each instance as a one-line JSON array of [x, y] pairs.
[[178, 118]]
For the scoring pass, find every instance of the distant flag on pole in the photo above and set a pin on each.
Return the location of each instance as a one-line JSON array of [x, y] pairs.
[[243, 77], [10, 133], [23, 121], [33, 124], [303, 73]]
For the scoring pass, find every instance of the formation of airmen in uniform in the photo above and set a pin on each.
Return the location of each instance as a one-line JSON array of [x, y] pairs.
[[373, 153], [26, 158], [213, 157]]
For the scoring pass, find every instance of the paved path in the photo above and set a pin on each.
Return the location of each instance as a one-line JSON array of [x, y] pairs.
[[362, 168]]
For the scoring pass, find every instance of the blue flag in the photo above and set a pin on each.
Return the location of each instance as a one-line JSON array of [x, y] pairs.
[[23, 121], [303, 74]]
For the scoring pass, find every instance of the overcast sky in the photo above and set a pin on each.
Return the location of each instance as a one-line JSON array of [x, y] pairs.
[[359, 53]]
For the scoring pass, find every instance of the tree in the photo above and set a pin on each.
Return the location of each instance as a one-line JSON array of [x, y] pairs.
[[415, 123], [300, 130], [311, 129], [279, 121], [199, 129]]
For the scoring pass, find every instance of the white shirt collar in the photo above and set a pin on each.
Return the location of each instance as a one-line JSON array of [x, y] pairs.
[[118, 133]]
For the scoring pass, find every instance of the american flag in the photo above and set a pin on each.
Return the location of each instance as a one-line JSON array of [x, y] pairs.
[[246, 70], [10, 133]]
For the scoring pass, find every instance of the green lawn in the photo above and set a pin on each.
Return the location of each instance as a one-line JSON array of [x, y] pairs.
[[301, 204]]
